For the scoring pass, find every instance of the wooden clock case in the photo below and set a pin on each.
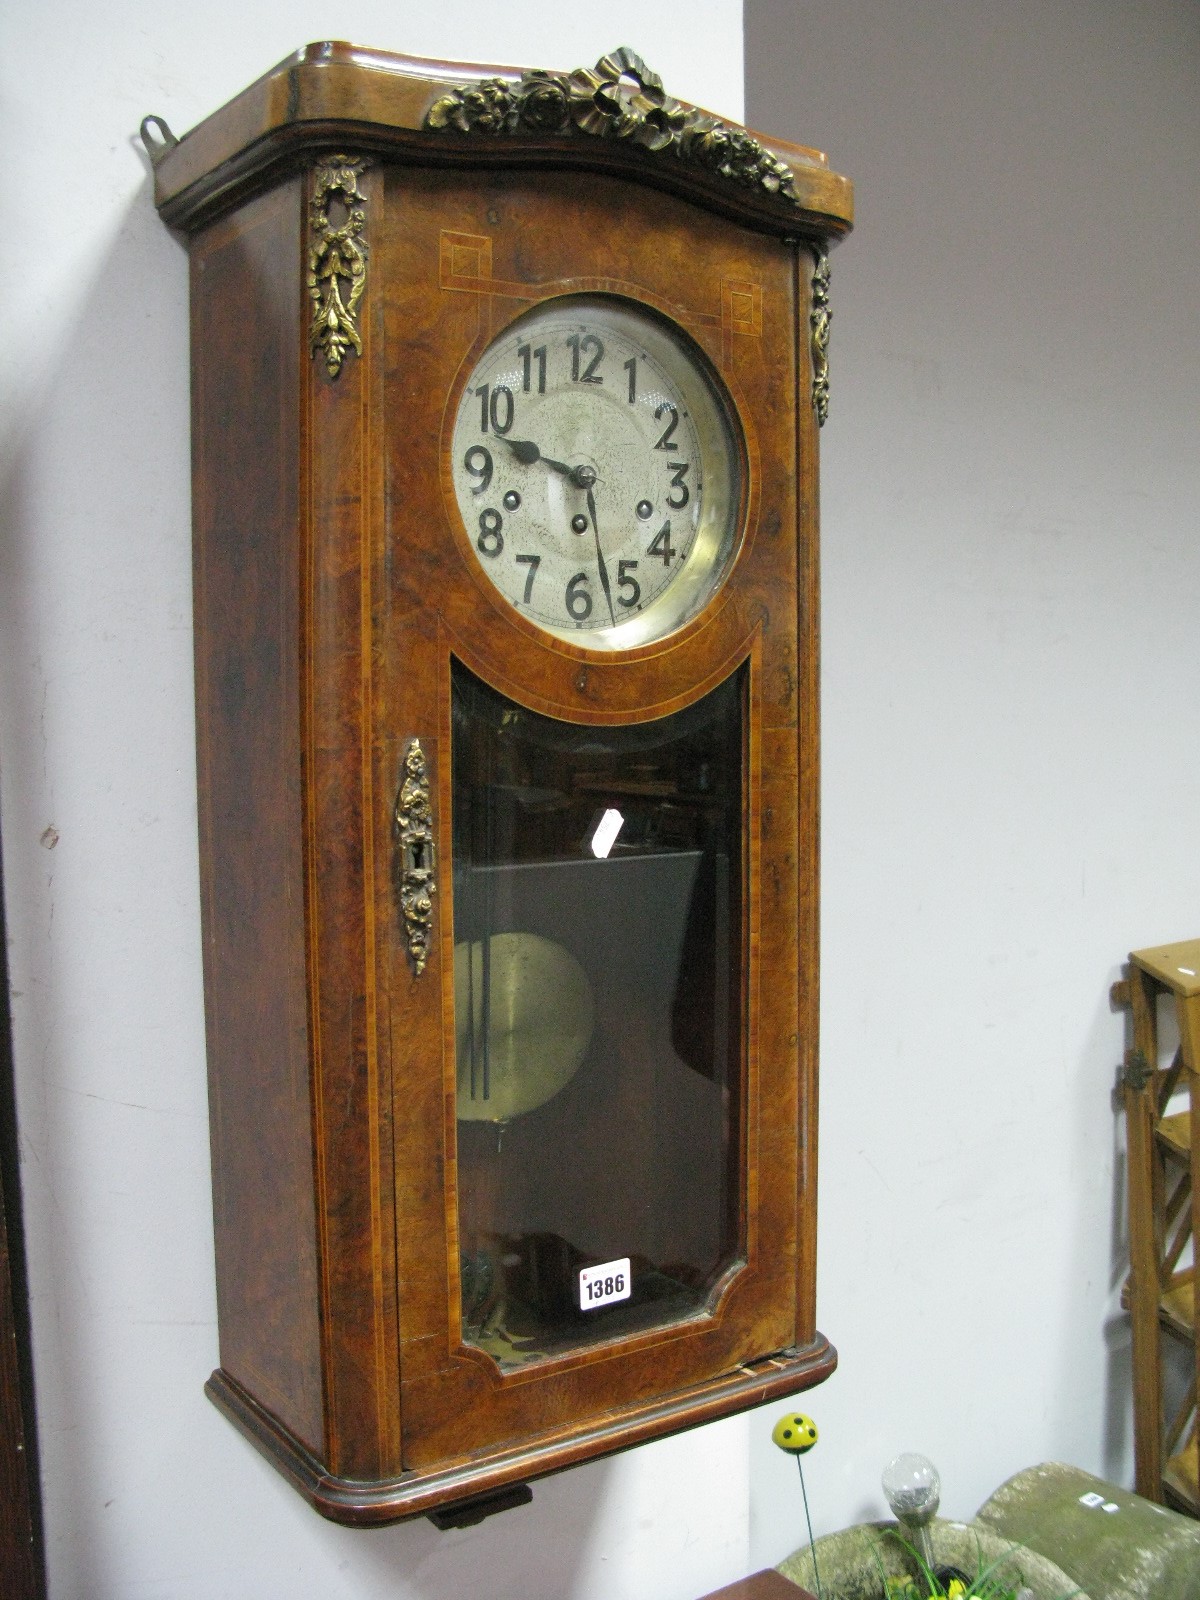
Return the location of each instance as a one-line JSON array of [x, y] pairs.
[[358, 229]]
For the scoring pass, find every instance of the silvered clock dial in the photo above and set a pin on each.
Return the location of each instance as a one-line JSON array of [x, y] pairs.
[[597, 472]]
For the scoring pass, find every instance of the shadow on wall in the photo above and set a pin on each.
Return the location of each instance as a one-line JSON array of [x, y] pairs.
[[534, 1550], [1117, 1435]]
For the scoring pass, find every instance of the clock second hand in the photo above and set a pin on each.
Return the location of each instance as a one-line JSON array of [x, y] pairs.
[[591, 505]]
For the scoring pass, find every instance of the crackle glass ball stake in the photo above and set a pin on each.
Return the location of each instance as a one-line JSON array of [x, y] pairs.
[[914, 1492]]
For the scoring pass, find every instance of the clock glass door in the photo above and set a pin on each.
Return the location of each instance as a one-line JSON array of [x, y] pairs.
[[598, 995]]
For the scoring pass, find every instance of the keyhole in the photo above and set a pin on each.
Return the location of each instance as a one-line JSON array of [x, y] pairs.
[[418, 858]]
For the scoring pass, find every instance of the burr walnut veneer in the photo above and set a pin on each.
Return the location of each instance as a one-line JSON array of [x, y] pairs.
[[471, 1061]]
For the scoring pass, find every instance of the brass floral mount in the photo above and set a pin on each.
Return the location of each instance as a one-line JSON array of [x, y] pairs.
[[414, 833], [337, 260], [618, 98], [818, 320]]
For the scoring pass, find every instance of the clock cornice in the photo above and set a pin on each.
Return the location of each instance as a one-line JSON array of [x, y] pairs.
[[613, 117]]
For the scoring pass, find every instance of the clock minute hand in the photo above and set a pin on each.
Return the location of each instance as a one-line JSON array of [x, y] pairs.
[[604, 584]]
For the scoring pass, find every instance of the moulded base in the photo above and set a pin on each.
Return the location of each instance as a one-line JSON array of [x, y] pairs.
[[367, 1503]]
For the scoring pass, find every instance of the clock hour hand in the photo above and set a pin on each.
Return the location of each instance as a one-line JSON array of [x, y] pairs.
[[527, 453], [604, 584]]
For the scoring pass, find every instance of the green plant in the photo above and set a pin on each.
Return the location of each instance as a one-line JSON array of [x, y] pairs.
[[992, 1582]]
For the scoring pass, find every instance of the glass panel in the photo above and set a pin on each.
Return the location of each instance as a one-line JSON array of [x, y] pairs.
[[597, 987]]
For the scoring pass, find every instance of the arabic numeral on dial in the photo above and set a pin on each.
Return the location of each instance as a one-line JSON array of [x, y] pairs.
[[490, 541], [579, 345], [496, 406], [661, 544], [578, 598], [478, 462], [679, 471], [667, 410], [630, 367], [633, 589], [532, 562], [527, 355]]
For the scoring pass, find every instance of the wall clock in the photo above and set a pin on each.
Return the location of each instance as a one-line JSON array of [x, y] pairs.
[[506, 388]]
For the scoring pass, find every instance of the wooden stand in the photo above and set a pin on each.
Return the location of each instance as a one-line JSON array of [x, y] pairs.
[[1164, 1214]]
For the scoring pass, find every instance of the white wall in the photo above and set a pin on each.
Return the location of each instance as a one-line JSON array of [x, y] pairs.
[[1011, 499], [149, 1494]]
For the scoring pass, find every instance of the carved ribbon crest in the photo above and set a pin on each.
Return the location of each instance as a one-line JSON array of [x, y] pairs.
[[618, 98], [337, 260]]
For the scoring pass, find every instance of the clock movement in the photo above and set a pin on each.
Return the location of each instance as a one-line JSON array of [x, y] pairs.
[[506, 388]]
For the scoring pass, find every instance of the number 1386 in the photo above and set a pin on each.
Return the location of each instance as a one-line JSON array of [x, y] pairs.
[[601, 1285]]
